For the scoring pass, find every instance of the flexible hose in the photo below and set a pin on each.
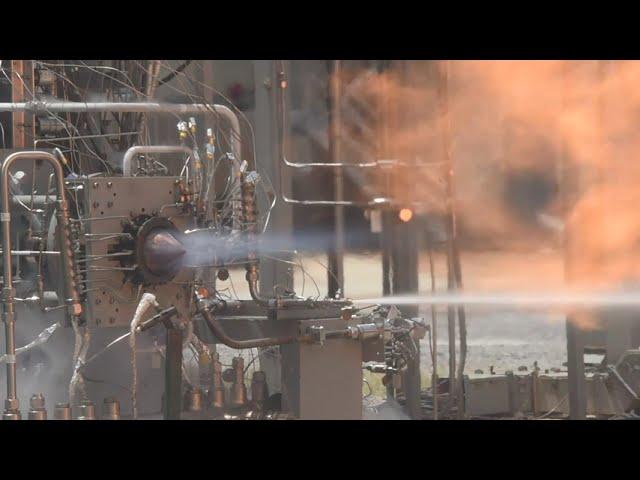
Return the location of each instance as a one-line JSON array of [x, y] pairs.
[[147, 301]]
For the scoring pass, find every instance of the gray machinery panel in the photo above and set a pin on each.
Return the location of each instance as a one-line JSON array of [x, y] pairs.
[[487, 395], [110, 201]]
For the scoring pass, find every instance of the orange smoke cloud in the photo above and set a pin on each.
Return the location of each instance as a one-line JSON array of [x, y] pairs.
[[571, 123]]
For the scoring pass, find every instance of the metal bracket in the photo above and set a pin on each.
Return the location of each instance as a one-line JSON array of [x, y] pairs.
[[318, 334]]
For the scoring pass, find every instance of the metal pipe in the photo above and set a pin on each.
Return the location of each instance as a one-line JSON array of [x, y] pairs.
[[38, 200], [220, 334], [282, 160], [249, 216], [613, 370], [252, 280], [375, 163], [145, 149], [81, 137], [28, 253], [152, 76], [330, 165], [133, 107], [252, 277], [121, 107], [376, 202], [72, 298]]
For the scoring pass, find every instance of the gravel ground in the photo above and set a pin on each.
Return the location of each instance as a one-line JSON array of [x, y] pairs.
[[506, 341]]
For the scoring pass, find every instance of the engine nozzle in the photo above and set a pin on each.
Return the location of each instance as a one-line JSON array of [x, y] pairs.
[[162, 253], [158, 250]]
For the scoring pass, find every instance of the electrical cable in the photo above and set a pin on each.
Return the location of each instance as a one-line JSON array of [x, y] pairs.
[[174, 73]]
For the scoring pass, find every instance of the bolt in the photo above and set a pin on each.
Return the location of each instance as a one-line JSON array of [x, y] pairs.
[[95, 184], [109, 184], [96, 204]]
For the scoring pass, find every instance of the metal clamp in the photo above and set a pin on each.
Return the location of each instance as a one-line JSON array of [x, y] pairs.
[[318, 334]]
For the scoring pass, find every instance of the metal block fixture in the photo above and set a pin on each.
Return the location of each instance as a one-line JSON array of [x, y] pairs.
[[323, 381]]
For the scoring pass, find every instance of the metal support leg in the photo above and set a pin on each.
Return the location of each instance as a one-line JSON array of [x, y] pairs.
[[404, 265], [575, 367], [173, 375], [385, 247], [172, 405]]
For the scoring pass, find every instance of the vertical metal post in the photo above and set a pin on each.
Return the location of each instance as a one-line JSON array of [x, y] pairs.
[[22, 87], [270, 136], [443, 93], [404, 267], [173, 374], [575, 339], [8, 314], [451, 328], [383, 153], [336, 253], [385, 244], [455, 252], [575, 368], [386, 215], [434, 331]]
